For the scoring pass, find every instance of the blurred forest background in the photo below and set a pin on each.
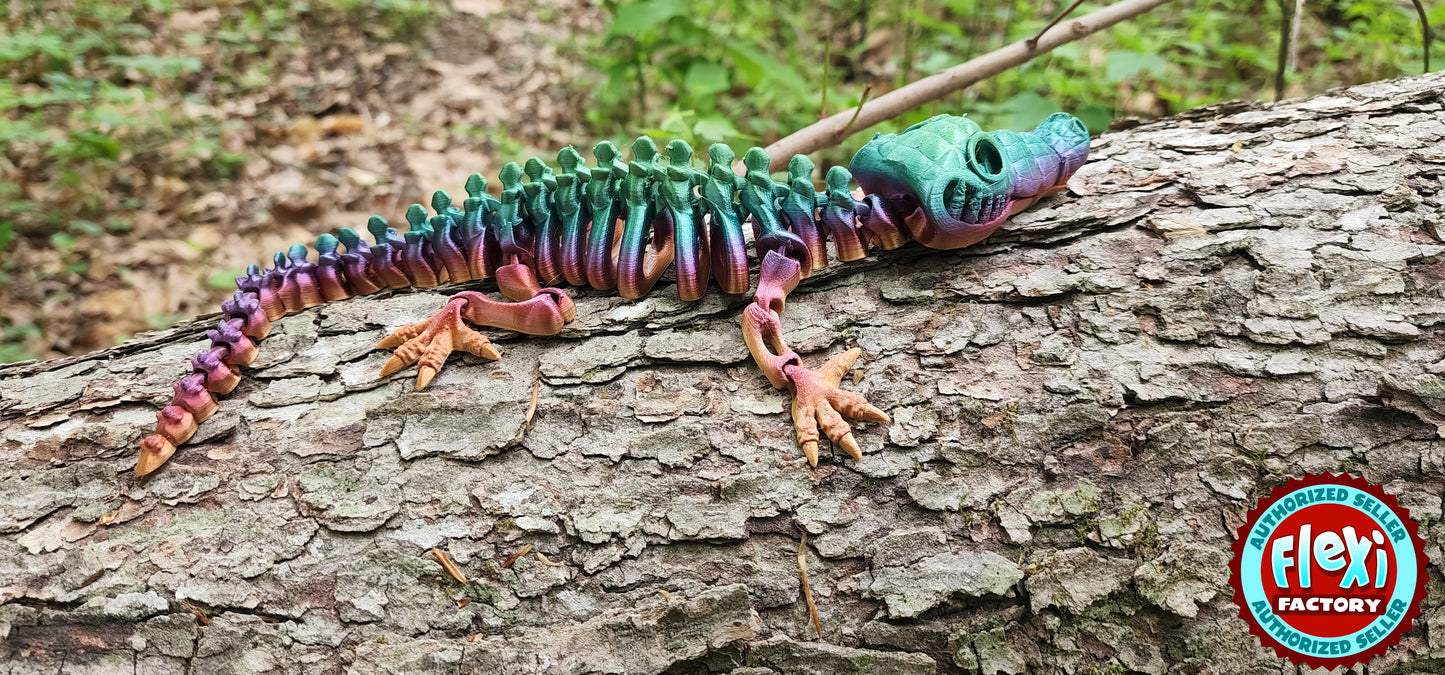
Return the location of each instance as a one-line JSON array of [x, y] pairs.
[[151, 149]]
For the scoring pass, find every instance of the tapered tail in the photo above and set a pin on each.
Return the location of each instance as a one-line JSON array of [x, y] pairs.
[[215, 372]]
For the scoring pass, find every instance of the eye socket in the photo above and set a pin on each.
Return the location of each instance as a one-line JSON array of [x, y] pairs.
[[985, 157]]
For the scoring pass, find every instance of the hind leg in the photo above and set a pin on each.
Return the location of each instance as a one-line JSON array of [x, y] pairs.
[[818, 400], [535, 311]]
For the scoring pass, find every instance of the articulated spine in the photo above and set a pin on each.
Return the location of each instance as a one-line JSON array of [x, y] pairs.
[[944, 182]]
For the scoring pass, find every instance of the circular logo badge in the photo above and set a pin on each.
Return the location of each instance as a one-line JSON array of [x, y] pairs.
[[1328, 571]]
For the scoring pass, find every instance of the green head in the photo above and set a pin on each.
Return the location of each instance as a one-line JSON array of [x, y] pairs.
[[964, 181]]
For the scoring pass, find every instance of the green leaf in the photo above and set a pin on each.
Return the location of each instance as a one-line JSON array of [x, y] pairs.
[[225, 278], [84, 227], [87, 144], [704, 79], [1120, 65], [640, 16], [1096, 118], [714, 129], [63, 241], [22, 46], [110, 116], [1025, 111], [746, 64], [11, 353], [157, 66], [21, 131], [755, 66]]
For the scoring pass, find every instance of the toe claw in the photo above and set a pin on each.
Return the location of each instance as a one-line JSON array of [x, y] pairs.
[[838, 366], [401, 335], [856, 407], [477, 344], [424, 375], [436, 353], [393, 364], [810, 450]]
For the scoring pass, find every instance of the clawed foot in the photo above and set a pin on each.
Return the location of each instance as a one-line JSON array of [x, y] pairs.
[[430, 342], [818, 401]]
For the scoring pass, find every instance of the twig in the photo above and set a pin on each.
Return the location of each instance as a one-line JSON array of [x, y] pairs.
[[827, 59], [1294, 24], [1033, 42], [807, 589], [531, 407], [1287, 17], [516, 556], [867, 91], [1425, 31], [200, 616], [828, 132], [448, 565]]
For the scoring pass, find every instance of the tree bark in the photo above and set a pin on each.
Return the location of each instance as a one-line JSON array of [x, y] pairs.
[[1084, 408]]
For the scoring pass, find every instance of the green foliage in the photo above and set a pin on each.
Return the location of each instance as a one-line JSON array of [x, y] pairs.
[[87, 86], [750, 72], [12, 342], [699, 62], [101, 99]]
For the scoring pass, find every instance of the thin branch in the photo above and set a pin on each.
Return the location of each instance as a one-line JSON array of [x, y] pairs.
[[830, 131], [867, 90], [1033, 42], [1282, 63], [808, 589], [827, 59], [449, 566], [1294, 25], [1425, 31]]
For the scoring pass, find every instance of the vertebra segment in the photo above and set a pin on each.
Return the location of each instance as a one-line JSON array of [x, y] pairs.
[[729, 253]]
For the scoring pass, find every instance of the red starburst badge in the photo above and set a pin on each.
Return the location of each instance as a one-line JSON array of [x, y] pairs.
[[1328, 571]]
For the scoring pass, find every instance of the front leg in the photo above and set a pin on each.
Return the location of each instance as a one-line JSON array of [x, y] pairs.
[[818, 401], [537, 311]]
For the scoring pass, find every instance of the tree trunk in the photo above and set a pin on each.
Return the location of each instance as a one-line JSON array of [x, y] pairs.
[[1084, 407]]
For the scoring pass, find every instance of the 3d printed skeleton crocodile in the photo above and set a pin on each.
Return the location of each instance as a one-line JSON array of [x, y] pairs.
[[944, 182]]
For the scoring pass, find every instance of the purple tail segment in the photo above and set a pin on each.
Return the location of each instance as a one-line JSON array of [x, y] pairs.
[[215, 371], [944, 182]]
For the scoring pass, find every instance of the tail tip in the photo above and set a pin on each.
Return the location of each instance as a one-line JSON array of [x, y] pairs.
[[154, 451]]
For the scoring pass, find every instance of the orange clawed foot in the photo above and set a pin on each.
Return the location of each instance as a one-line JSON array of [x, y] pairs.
[[430, 342], [819, 402]]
